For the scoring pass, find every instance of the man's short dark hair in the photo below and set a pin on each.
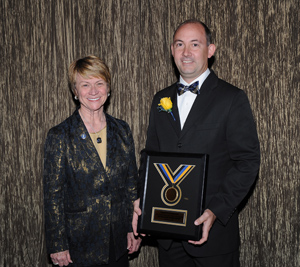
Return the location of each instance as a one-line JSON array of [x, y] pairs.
[[196, 21]]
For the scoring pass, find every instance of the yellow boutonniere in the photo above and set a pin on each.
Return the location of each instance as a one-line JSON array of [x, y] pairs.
[[166, 105]]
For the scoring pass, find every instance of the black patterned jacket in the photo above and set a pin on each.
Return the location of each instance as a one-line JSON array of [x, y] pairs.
[[82, 200]]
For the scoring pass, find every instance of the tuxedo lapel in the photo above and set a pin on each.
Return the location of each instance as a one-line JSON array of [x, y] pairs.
[[201, 103], [175, 123]]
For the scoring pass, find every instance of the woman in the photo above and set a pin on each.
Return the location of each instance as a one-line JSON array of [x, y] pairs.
[[90, 177]]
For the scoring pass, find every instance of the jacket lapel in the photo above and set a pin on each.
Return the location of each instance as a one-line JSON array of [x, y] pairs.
[[175, 123], [201, 103], [84, 141], [111, 144]]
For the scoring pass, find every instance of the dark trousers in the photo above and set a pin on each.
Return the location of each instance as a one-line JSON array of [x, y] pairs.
[[176, 256], [122, 262]]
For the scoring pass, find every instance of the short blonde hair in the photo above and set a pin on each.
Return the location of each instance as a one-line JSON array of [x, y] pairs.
[[88, 67]]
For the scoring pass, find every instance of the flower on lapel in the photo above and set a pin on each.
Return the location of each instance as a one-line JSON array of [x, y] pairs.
[[166, 105]]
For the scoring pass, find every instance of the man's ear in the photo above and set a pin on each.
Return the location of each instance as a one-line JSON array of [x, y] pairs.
[[172, 50], [211, 50]]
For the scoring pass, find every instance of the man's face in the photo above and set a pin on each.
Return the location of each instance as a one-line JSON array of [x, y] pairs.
[[190, 51]]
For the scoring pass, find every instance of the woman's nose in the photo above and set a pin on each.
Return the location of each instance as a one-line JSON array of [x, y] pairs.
[[94, 89]]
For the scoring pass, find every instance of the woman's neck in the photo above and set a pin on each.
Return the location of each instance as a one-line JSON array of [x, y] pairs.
[[94, 121]]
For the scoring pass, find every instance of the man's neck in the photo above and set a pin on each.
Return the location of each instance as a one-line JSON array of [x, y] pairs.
[[200, 78]]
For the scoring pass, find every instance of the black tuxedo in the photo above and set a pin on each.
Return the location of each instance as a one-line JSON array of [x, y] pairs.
[[221, 125]]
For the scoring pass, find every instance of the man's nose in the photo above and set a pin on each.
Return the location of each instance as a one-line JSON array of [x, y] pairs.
[[186, 51]]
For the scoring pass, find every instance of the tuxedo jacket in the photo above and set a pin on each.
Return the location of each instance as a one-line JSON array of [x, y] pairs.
[[85, 203], [220, 124]]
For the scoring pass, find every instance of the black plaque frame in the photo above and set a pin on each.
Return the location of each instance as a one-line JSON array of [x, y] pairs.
[[169, 206]]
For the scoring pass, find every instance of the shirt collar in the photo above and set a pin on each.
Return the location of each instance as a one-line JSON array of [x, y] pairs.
[[201, 78]]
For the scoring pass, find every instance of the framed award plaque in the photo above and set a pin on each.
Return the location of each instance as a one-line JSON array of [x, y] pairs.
[[174, 194]]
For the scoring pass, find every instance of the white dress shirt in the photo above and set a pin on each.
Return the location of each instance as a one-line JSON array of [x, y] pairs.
[[186, 100]]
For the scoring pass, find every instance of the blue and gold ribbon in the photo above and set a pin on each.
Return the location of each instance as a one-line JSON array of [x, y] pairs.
[[172, 181], [174, 177]]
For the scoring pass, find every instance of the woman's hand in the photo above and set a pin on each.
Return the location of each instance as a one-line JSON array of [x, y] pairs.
[[61, 258], [133, 243]]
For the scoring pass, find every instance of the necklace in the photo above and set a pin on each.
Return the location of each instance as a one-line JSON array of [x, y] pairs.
[[99, 140]]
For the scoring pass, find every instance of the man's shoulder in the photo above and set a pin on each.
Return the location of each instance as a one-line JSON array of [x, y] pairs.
[[167, 91], [220, 86]]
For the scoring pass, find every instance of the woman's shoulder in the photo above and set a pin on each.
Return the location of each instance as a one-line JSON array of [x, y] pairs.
[[116, 123], [65, 125]]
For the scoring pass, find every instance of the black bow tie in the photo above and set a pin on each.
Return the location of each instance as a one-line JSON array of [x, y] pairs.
[[194, 88]]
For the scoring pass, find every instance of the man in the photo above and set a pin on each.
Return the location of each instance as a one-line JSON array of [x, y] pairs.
[[214, 119]]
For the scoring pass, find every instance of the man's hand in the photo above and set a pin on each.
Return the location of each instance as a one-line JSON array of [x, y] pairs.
[[136, 213], [207, 219], [133, 243], [61, 258]]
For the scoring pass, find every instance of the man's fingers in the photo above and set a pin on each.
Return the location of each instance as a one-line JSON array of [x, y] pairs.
[[136, 207], [138, 211], [134, 223], [198, 221], [207, 219]]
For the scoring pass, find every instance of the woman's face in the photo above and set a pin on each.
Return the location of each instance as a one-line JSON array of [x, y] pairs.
[[91, 92]]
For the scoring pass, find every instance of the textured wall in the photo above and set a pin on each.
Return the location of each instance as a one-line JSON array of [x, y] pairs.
[[258, 50]]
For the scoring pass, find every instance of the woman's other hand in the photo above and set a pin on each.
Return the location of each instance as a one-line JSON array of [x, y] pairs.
[[61, 258], [133, 243]]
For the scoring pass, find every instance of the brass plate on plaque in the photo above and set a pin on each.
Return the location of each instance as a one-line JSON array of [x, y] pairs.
[[169, 216]]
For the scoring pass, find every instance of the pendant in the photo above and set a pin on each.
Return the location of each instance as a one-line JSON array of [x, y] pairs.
[[99, 140]]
